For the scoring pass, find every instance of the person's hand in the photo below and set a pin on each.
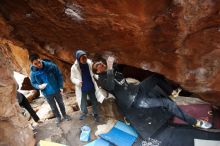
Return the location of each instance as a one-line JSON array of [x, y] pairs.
[[110, 62], [42, 86], [61, 91]]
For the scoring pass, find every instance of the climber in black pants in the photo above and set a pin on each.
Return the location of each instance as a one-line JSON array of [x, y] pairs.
[[143, 95], [22, 100]]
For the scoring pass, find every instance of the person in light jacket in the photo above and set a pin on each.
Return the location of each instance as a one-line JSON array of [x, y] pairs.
[[82, 77]]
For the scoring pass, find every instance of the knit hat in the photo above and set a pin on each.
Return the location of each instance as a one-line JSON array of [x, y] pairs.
[[79, 53]]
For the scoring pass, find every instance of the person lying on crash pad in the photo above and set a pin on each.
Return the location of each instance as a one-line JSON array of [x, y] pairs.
[[142, 95]]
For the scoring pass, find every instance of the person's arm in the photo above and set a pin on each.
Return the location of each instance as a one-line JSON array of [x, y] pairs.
[[73, 77], [107, 82], [110, 83], [59, 76], [34, 82]]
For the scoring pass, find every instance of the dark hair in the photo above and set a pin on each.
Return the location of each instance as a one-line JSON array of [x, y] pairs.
[[94, 70], [33, 57]]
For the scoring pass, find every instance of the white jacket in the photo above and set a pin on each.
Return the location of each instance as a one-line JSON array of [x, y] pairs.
[[76, 79]]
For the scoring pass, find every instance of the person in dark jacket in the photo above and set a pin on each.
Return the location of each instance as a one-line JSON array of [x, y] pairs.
[[143, 95], [46, 76], [81, 76], [22, 100]]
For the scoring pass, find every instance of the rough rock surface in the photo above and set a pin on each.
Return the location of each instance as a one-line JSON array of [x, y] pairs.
[[14, 128], [177, 38]]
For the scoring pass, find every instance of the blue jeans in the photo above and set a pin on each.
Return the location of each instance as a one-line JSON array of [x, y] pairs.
[[93, 99], [52, 99]]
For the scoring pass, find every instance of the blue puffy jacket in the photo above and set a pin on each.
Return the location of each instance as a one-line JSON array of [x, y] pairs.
[[49, 74]]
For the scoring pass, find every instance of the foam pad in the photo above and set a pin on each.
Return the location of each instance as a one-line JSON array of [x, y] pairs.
[[120, 135], [99, 142], [49, 143], [202, 142], [147, 121], [198, 111], [126, 128]]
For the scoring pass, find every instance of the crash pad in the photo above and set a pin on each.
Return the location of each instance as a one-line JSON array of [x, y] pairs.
[[198, 111], [183, 135], [153, 123], [120, 135], [49, 143], [216, 118], [202, 142], [147, 121], [99, 142], [126, 128]]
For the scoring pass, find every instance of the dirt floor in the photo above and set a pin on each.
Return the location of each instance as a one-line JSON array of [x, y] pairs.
[[68, 132]]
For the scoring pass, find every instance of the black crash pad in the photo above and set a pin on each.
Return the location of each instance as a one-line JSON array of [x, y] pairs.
[[147, 121], [174, 135], [178, 135]]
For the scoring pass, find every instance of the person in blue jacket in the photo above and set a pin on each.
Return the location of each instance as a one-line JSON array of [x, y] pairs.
[[46, 76]]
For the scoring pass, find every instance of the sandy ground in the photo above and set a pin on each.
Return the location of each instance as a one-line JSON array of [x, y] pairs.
[[68, 132]]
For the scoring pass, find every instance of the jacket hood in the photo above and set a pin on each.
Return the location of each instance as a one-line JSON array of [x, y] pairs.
[[79, 53]]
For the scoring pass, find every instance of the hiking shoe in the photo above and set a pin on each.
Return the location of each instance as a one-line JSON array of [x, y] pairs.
[[67, 117], [82, 117], [96, 117], [39, 121], [203, 124], [58, 120]]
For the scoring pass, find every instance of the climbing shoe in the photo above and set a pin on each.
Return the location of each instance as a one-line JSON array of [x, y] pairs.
[[175, 93], [203, 124]]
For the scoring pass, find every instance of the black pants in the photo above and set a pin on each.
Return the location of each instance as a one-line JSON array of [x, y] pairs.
[[155, 80], [148, 97], [25, 103]]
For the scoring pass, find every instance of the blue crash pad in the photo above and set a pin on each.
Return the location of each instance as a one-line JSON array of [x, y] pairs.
[[126, 128], [98, 142], [120, 135]]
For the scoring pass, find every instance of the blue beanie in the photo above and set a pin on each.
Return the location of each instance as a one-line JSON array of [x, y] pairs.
[[79, 53]]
